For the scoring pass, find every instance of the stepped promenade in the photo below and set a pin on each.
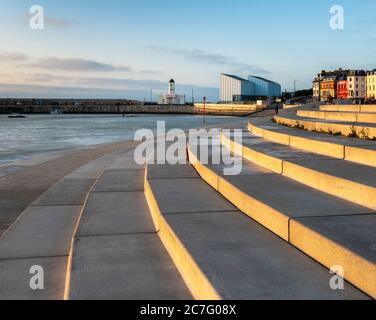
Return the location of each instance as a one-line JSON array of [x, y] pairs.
[[104, 226]]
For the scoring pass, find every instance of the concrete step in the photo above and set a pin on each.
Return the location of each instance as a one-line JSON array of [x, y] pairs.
[[349, 108], [360, 130], [43, 233], [332, 231], [350, 149], [221, 253], [347, 180], [22, 182], [339, 116], [116, 252]]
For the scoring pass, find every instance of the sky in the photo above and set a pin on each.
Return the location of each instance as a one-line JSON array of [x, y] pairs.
[[131, 49]]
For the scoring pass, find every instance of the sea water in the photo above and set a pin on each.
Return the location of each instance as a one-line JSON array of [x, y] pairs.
[[36, 134]]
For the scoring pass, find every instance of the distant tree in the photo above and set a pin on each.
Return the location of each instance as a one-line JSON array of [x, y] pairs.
[[304, 93], [286, 95]]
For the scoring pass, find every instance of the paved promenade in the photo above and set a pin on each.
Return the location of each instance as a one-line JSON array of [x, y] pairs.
[[104, 227], [22, 182]]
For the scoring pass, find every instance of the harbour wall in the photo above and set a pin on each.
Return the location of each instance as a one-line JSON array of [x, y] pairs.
[[210, 109]]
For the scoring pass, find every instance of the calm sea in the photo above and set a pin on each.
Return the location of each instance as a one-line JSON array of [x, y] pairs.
[[24, 138]]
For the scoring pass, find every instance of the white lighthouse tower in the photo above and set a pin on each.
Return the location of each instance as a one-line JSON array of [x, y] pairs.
[[171, 87], [171, 98]]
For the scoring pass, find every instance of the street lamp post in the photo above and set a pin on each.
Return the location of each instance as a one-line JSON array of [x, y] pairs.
[[204, 98], [295, 81]]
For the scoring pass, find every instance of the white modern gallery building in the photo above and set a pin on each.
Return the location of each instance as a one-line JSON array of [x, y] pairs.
[[237, 89]]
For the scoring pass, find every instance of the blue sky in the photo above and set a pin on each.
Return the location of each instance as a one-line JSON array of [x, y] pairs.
[[122, 49]]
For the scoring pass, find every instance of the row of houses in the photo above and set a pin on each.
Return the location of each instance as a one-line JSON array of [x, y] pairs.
[[358, 85]]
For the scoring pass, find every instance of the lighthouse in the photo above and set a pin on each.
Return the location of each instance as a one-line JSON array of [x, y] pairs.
[[171, 87], [171, 98]]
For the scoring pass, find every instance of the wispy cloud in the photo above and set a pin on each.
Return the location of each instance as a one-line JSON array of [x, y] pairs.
[[51, 21], [120, 83], [200, 56], [12, 56], [66, 64], [48, 85], [77, 65], [150, 72], [57, 23]]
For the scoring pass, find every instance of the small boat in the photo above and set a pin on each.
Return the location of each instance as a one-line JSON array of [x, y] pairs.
[[16, 115], [57, 111]]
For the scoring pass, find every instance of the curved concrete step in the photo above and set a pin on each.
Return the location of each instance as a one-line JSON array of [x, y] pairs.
[[23, 181], [221, 253], [350, 149], [353, 117], [340, 178], [349, 108], [42, 235], [328, 229], [116, 253], [360, 130]]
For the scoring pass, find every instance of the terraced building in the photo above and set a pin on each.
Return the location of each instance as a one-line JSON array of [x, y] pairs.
[[357, 88], [371, 84]]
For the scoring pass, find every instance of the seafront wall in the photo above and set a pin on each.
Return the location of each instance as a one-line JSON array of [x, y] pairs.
[[226, 109], [210, 109], [87, 109]]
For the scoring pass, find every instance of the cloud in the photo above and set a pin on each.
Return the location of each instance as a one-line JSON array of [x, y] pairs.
[[34, 76], [150, 72], [12, 56], [78, 65], [57, 23], [64, 64], [46, 85], [200, 56], [50, 21], [107, 82]]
